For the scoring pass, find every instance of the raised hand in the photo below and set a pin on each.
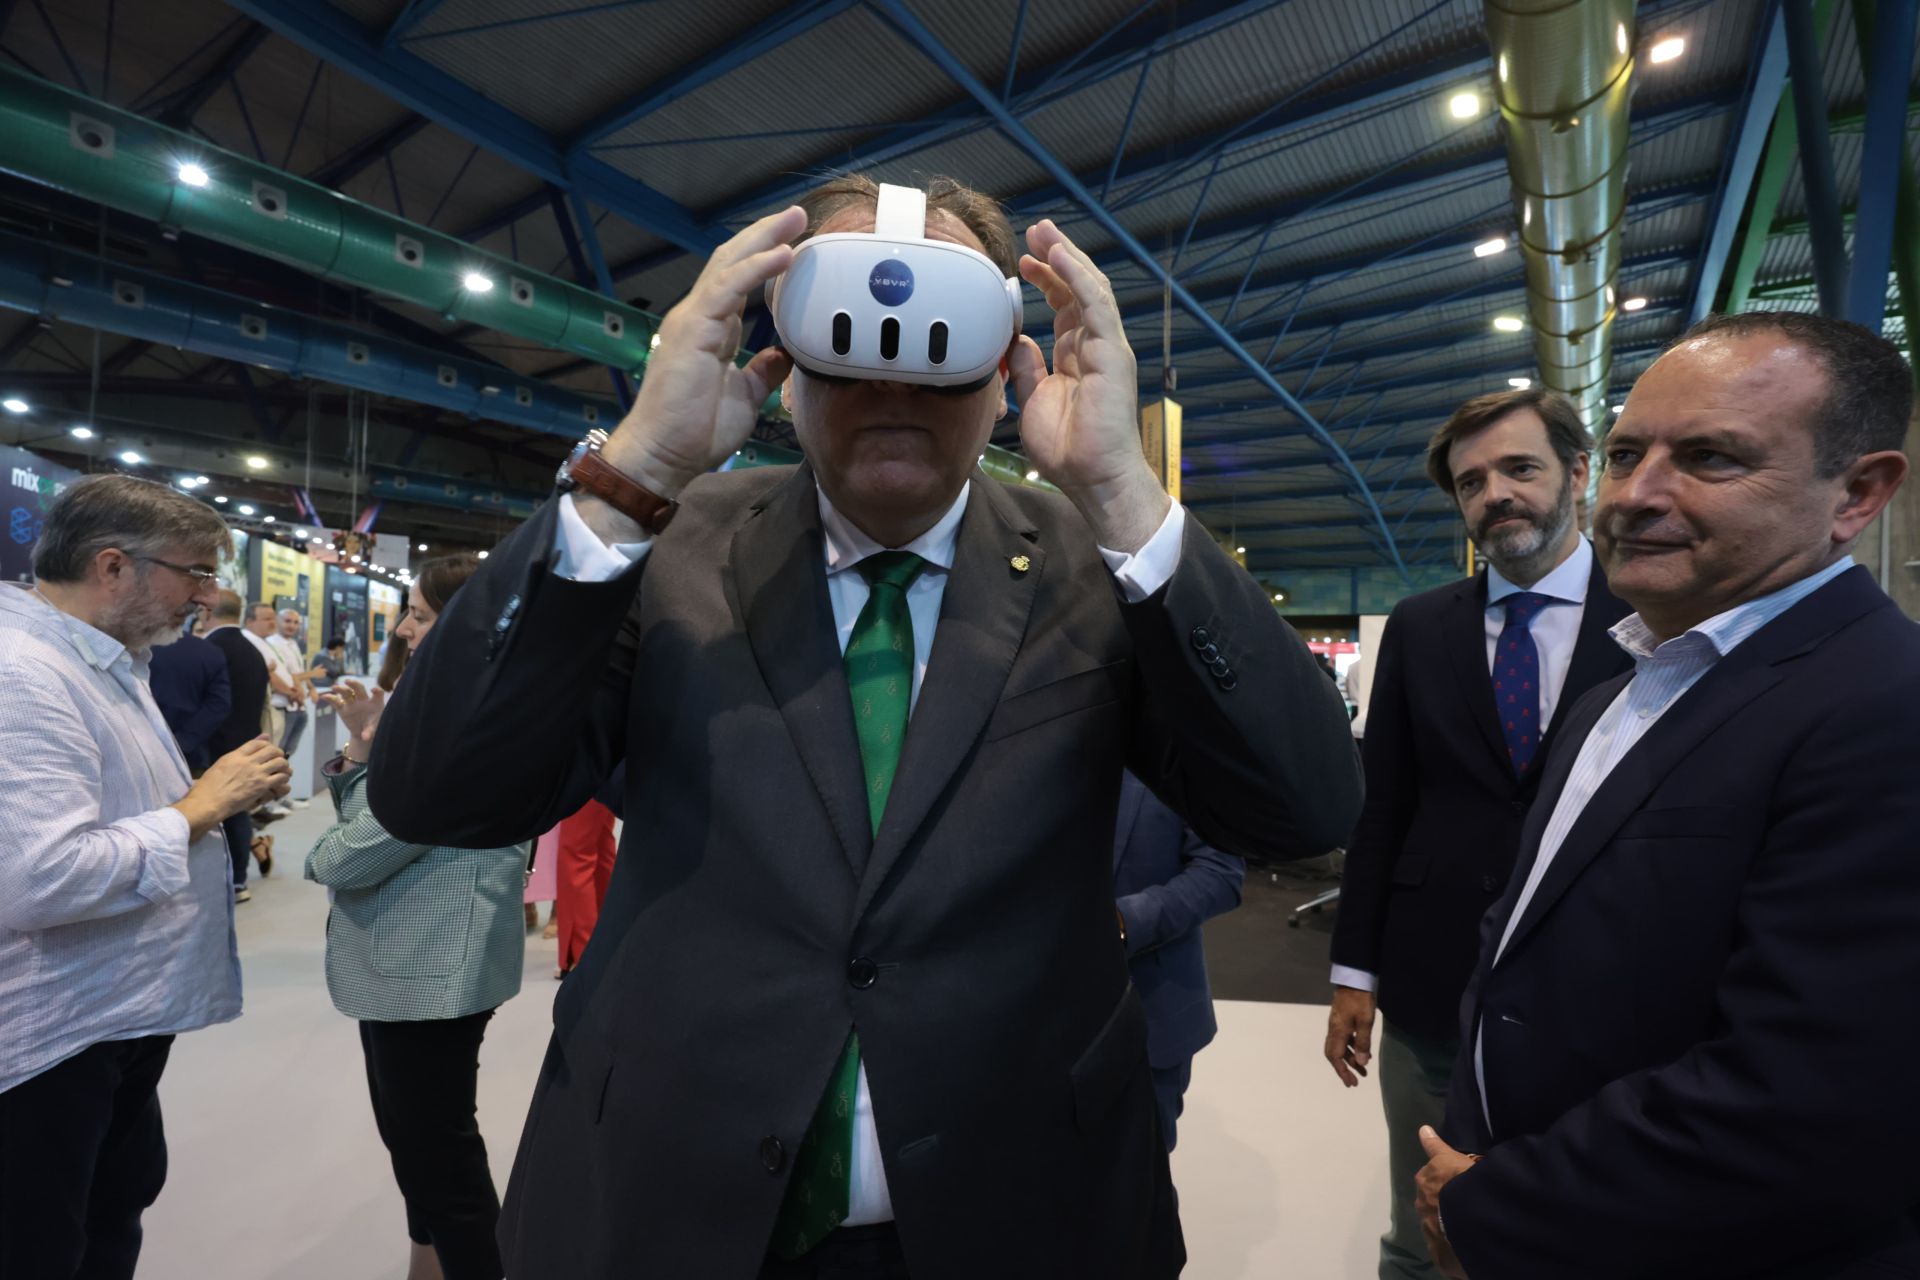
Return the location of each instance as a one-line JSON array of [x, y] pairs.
[[695, 405], [359, 707], [1079, 422]]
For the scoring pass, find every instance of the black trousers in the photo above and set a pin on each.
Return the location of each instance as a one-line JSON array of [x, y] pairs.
[[239, 829], [422, 1076], [82, 1155], [851, 1253]]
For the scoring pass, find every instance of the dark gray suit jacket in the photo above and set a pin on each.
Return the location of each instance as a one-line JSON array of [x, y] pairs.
[[1169, 882], [754, 918]]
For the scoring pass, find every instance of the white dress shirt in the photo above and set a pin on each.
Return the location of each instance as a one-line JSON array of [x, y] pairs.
[[579, 554], [289, 662], [1555, 630], [114, 922], [1661, 673], [266, 651]]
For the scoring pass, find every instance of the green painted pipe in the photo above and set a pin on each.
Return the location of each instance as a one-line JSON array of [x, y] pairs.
[[124, 161]]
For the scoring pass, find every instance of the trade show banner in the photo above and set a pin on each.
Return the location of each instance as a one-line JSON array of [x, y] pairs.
[[347, 616], [32, 485], [290, 579], [383, 608]]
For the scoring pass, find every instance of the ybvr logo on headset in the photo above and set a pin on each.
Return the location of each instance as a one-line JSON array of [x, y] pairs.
[[890, 282]]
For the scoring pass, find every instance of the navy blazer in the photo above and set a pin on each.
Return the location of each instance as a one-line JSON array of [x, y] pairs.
[[1700, 1040], [1167, 882], [1435, 844], [190, 686], [247, 685]]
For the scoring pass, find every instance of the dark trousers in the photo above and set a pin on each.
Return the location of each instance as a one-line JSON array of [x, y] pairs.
[[82, 1155], [851, 1253], [422, 1076], [1170, 1096], [239, 829]]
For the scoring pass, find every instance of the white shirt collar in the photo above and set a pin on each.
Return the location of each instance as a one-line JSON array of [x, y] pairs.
[[1723, 632], [847, 546], [1567, 582], [95, 646]]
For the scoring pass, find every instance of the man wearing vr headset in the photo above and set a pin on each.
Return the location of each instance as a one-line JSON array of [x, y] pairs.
[[855, 1004]]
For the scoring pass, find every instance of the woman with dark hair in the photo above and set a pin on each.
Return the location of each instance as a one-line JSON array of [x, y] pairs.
[[423, 943]]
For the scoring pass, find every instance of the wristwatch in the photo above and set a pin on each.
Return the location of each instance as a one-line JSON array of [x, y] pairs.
[[586, 471]]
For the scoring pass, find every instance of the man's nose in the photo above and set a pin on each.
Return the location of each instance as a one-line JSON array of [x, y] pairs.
[[1647, 489]]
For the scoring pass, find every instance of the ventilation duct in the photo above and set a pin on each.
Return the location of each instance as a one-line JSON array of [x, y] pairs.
[[65, 140], [1564, 75], [62, 283]]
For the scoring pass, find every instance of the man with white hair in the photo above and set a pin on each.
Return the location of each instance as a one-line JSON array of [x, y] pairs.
[[116, 916]]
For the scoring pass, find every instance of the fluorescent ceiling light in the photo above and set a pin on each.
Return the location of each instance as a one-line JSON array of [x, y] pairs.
[[1463, 106], [1633, 304], [1508, 324], [192, 175], [1487, 248], [1667, 50]]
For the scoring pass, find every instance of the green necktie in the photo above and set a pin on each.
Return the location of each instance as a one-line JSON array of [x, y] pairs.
[[879, 661]]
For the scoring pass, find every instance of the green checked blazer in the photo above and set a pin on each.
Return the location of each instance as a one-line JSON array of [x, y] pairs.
[[417, 931]]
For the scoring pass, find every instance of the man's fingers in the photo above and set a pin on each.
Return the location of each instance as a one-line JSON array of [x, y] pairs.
[[766, 371], [778, 228], [1044, 278], [720, 294], [1028, 367], [1433, 1144]]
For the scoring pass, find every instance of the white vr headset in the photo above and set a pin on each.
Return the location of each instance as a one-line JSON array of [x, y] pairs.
[[891, 305]]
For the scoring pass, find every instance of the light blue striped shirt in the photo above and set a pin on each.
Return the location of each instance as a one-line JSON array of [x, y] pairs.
[[112, 925], [1662, 672]]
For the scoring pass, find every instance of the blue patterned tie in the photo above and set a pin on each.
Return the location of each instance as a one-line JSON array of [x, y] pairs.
[[1516, 679]]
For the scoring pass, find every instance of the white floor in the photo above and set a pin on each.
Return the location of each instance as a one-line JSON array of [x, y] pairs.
[[277, 1173]]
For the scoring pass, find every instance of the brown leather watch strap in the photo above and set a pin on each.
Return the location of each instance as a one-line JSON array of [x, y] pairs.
[[595, 475]]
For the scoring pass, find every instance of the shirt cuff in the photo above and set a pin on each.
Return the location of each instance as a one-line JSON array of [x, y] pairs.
[[1151, 567], [580, 556], [1358, 979], [165, 837]]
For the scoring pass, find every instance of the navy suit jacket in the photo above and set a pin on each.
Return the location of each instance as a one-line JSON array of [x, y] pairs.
[[1700, 1041], [1167, 882], [190, 686], [247, 686]]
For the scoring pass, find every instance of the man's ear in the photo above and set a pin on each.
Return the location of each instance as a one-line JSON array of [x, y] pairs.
[[1867, 488], [1006, 379]]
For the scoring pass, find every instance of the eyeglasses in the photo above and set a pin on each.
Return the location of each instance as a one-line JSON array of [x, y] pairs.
[[201, 577]]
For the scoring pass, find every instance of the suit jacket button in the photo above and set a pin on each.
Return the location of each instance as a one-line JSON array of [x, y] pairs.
[[1210, 654], [1200, 638], [862, 972], [773, 1155], [1219, 667], [1490, 882], [1229, 682]]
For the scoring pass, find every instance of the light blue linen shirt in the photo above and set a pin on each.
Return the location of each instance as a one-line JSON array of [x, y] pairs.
[[1661, 673], [112, 925]]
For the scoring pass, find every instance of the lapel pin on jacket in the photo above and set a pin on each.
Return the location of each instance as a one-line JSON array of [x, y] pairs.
[[1020, 564]]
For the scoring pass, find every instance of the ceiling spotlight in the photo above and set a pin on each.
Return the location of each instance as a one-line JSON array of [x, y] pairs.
[[185, 482], [1633, 304], [1487, 248], [421, 547], [1240, 551], [483, 555], [1618, 410], [1667, 50], [1463, 106], [220, 498], [266, 519], [192, 175], [1508, 324], [131, 458], [1279, 597], [256, 463], [245, 510], [201, 480], [1032, 476], [80, 433], [1519, 384], [476, 283], [653, 343], [14, 404], [354, 559]]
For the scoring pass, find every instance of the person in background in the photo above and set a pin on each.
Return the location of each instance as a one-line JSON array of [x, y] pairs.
[[423, 943], [583, 870], [260, 626], [191, 687], [285, 643], [116, 923], [248, 686], [1168, 882], [330, 665], [1690, 1038], [1471, 682]]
